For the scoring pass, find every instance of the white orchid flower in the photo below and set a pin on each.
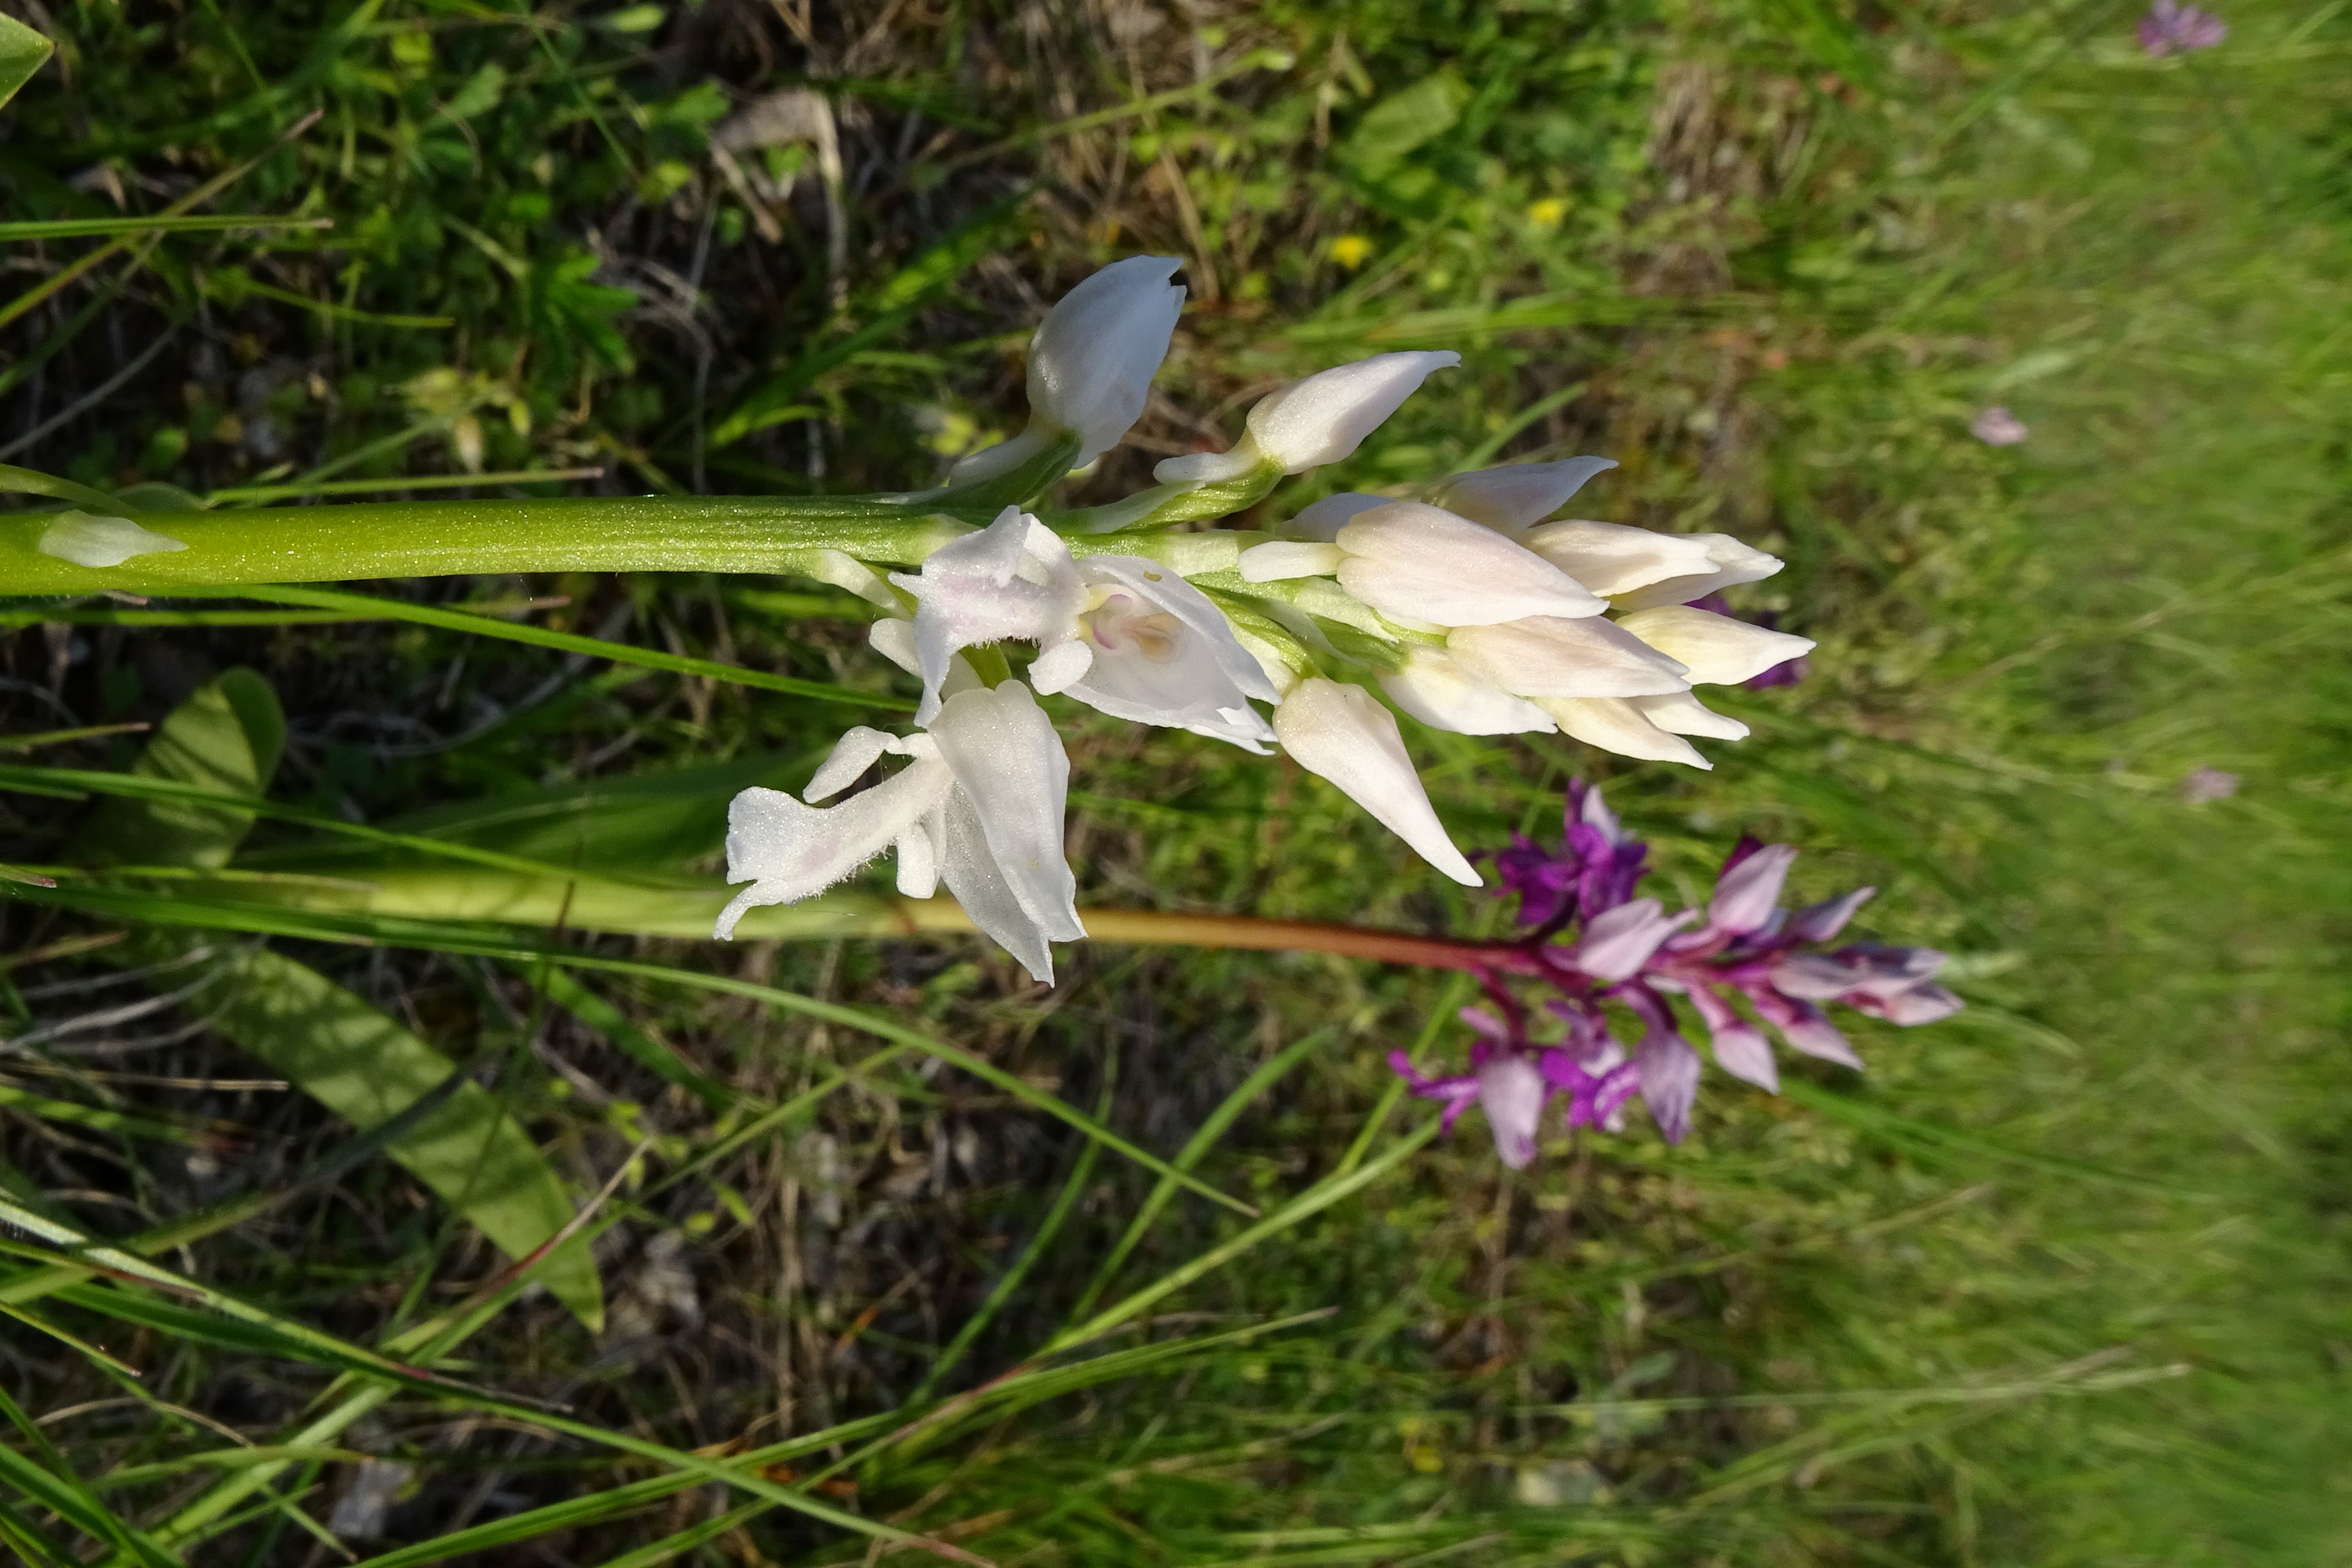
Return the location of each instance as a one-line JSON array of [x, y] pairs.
[[1161, 653], [1324, 518], [1432, 686], [1121, 633], [1341, 733], [1719, 650], [1512, 498], [979, 807], [1316, 421], [1090, 364], [1012, 579]]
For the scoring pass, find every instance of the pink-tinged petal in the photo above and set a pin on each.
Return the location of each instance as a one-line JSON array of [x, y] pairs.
[[1813, 976], [1511, 1090], [1803, 1026], [1822, 921], [1668, 1069], [1925, 1003], [1745, 895], [1741, 1049], [1618, 942]]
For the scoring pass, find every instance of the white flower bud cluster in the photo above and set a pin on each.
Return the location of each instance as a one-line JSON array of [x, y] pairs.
[[1471, 613]]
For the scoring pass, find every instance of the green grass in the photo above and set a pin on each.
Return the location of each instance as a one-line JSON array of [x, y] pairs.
[[2059, 1281]]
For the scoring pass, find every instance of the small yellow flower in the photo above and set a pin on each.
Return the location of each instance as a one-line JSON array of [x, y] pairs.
[[1351, 250], [1547, 212]]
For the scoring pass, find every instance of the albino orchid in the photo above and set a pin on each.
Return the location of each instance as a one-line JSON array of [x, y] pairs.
[[1467, 609]]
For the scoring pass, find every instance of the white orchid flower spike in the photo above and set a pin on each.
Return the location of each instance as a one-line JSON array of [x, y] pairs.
[[979, 807], [1090, 364], [1316, 421]]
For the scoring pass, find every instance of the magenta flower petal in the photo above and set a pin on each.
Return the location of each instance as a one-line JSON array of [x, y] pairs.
[[1822, 921], [1618, 942], [1741, 1049]]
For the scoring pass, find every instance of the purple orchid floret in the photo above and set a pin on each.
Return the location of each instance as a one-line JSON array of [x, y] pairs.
[[1594, 944], [2171, 28]]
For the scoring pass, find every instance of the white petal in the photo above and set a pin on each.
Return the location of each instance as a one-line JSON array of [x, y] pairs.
[[1545, 656], [918, 860], [87, 541], [1413, 560], [1513, 498], [894, 639], [1433, 688], [1616, 725], [1205, 633], [788, 851], [1682, 713], [1290, 558], [1719, 649], [858, 749], [1004, 457], [1010, 770], [1343, 735], [1326, 416], [1609, 558], [1060, 667], [1210, 468], [845, 570], [1324, 518], [1731, 564]]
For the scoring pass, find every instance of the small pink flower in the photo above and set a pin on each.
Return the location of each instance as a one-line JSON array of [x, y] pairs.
[[1996, 426], [2171, 28]]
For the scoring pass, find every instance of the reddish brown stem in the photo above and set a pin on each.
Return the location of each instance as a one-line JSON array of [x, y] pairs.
[[1152, 927]]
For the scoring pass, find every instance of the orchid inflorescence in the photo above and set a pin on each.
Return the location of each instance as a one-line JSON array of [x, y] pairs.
[[1592, 941], [1467, 609]]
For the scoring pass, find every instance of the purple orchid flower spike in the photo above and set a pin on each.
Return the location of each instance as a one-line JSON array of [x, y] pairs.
[[1595, 945], [2171, 28]]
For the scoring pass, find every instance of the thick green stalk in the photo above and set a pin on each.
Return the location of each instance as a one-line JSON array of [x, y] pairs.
[[454, 538]]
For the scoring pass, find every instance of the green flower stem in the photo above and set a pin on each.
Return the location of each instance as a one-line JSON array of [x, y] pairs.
[[455, 538]]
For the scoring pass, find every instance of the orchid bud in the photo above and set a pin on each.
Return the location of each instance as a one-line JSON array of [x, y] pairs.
[[1513, 498], [1316, 421], [1512, 1091], [1432, 686], [1343, 735], [1090, 364], [1618, 942], [1719, 650], [1729, 563], [1682, 713], [1615, 725], [1412, 560], [1545, 656], [1609, 558]]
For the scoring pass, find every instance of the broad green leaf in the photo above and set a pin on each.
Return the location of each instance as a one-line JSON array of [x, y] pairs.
[[227, 738], [22, 52], [366, 1068]]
